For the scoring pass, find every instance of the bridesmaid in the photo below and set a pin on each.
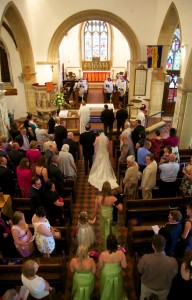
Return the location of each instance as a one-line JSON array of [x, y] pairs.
[[84, 269], [106, 202], [111, 262]]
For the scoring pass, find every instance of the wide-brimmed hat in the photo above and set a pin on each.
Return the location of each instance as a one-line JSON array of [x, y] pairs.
[[143, 107]]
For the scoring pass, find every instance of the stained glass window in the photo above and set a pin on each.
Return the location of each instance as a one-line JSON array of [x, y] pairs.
[[96, 40], [174, 55]]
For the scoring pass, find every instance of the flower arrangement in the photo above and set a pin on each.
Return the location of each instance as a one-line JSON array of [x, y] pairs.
[[60, 101]]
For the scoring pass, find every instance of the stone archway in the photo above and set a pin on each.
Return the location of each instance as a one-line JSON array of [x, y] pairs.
[[18, 28], [106, 16], [168, 27]]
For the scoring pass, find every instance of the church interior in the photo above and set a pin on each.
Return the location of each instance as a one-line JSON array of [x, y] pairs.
[[57, 55]]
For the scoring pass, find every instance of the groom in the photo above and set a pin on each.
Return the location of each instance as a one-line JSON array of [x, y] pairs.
[[87, 140]]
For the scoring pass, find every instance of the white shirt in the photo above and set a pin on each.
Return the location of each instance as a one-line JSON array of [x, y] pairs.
[[169, 171], [122, 85], [109, 86], [84, 115], [141, 116], [35, 286]]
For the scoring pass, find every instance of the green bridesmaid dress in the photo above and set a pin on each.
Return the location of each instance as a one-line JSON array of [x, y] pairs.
[[83, 285], [106, 216], [111, 282]]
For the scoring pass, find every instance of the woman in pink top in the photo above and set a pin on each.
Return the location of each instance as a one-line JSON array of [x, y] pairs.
[[24, 177], [173, 142], [33, 154]]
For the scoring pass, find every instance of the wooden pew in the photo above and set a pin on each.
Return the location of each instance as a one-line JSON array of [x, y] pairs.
[[52, 269], [185, 155], [63, 243], [115, 145], [151, 211], [121, 169], [117, 155], [139, 239], [24, 205]]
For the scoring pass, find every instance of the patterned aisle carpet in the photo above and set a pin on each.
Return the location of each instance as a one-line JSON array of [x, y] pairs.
[[85, 196]]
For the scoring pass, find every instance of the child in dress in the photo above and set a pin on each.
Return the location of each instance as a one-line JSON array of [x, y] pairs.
[[85, 233]]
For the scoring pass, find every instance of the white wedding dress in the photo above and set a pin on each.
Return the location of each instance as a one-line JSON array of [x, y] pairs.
[[102, 170]]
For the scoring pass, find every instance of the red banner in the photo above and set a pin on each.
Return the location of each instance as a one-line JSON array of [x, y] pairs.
[[96, 76], [49, 87]]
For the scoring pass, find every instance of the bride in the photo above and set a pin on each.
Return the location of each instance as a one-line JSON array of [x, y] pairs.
[[102, 170]]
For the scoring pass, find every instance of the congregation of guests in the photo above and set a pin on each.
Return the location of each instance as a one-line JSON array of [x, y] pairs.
[[42, 176]]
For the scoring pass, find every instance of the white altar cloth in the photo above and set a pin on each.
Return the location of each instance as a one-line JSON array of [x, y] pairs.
[[100, 106]]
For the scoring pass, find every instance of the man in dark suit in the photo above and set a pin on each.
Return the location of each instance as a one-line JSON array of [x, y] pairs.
[[37, 197], [7, 184], [15, 156], [73, 148], [121, 117], [60, 134], [107, 117], [135, 133], [51, 123], [23, 140], [56, 175], [87, 140]]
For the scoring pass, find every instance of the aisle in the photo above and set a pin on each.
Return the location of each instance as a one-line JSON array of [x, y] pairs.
[[95, 95], [85, 196]]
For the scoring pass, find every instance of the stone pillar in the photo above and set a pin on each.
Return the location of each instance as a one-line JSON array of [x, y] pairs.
[[3, 112], [182, 120]]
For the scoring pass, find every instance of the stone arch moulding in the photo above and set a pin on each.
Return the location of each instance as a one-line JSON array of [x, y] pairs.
[[20, 33], [85, 15], [17, 26], [171, 21]]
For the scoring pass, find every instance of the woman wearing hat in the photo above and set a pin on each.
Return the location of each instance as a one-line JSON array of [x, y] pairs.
[[141, 114]]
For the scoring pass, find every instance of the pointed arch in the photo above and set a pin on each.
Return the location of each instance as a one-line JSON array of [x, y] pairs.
[[94, 14], [18, 28], [171, 21]]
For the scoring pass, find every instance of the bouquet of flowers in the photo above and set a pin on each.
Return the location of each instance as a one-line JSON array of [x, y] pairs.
[[60, 101]]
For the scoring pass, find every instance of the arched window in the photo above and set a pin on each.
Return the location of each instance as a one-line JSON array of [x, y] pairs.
[[174, 55], [95, 40]]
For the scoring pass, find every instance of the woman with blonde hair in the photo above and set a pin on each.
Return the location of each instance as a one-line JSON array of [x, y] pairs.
[[85, 233], [21, 235], [106, 201], [84, 269]]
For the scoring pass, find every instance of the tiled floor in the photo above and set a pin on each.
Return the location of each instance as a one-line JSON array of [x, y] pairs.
[[85, 196]]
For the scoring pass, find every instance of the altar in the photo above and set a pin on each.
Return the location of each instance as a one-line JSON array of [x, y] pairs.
[[99, 107]]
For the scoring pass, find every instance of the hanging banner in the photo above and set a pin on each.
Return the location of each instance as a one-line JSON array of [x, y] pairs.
[[154, 56], [49, 87]]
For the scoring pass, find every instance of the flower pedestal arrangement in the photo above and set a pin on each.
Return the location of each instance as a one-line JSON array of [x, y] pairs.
[[60, 102]]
